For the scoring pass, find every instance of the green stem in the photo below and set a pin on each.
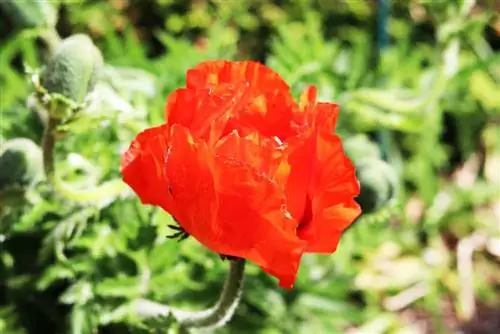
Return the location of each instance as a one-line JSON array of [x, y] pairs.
[[213, 317], [102, 193], [48, 143], [106, 191], [52, 39]]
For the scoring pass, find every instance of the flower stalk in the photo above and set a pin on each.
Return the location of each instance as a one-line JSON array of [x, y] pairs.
[[61, 90], [48, 143], [101, 193], [214, 317]]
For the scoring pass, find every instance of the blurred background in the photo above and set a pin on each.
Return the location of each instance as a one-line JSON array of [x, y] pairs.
[[419, 87]]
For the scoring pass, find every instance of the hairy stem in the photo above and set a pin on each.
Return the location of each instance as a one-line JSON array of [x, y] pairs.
[[213, 317], [102, 193]]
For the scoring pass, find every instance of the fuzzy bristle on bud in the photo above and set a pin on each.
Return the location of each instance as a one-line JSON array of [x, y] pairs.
[[20, 163], [74, 68], [378, 179]]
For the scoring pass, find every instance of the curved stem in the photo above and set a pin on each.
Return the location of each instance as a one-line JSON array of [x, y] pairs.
[[228, 301], [104, 192], [52, 39], [214, 317]]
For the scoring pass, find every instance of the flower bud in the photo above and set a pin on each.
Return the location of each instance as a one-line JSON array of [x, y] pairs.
[[378, 181], [73, 69], [21, 164], [359, 147], [30, 13]]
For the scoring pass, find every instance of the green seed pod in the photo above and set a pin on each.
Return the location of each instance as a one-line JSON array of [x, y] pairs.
[[74, 68], [378, 180], [379, 183], [359, 147], [30, 13], [21, 164]]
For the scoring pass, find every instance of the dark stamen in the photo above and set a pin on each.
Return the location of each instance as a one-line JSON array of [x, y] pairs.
[[180, 234]]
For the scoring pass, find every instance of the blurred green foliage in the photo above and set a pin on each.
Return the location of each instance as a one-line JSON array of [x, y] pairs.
[[70, 267]]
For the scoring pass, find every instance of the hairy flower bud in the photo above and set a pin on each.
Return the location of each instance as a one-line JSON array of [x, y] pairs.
[[21, 163], [378, 179], [74, 68], [359, 147], [30, 13], [378, 182]]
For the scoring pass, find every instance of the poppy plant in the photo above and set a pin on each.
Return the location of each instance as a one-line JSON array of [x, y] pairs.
[[246, 170]]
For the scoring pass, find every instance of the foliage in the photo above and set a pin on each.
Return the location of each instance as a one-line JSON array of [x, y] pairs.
[[427, 104]]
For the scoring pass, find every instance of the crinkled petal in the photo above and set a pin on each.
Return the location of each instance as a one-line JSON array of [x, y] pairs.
[[142, 167], [333, 208], [189, 173], [270, 113], [204, 111], [252, 213], [268, 106], [259, 78], [224, 200], [300, 163], [307, 105], [322, 184], [261, 153], [246, 232]]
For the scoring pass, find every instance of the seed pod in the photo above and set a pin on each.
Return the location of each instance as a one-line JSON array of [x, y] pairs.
[[21, 163], [30, 13], [359, 147], [378, 181], [74, 68]]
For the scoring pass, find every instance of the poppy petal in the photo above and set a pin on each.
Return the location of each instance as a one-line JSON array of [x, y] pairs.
[[188, 171], [269, 106], [271, 114], [266, 233], [321, 170], [142, 166], [211, 190], [300, 162], [258, 78], [333, 188], [204, 112]]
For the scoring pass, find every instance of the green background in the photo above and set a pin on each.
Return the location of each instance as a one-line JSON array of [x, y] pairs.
[[421, 83]]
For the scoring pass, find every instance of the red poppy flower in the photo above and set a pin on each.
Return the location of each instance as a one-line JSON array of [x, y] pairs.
[[245, 170]]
